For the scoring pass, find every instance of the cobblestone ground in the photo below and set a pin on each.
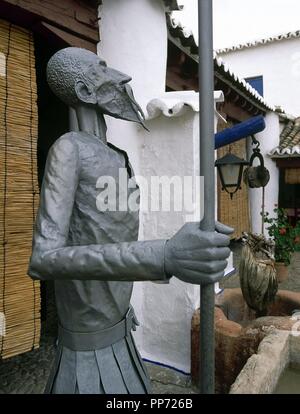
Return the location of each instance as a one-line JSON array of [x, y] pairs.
[[28, 373]]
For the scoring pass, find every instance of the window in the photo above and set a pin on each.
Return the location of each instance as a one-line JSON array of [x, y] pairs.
[[257, 83]]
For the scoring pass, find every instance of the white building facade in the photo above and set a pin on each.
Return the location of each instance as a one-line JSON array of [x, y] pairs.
[[277, 60]]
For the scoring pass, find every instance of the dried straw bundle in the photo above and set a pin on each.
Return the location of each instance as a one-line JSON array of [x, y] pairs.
[[257, 273], [19, 295]]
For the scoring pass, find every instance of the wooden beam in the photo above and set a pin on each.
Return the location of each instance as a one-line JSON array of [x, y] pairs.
[[223, 83], [235, 112], [287, 162], [74, 16], [176, 82], [67, 39]]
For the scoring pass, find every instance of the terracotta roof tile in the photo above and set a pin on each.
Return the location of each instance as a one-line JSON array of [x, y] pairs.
[[289, 145], [260, 42], [187, 41]]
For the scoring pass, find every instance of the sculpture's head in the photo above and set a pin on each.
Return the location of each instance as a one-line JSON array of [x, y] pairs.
[[79, 77]]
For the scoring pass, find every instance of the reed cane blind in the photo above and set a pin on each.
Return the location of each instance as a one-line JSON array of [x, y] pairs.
[[235, 212], [292, 176], [19, 295]]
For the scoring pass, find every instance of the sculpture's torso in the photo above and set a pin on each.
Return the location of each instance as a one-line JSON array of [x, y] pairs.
[[86, 306]]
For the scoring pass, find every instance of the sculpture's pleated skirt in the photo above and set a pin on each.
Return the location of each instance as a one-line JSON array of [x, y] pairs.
[[116, 369]]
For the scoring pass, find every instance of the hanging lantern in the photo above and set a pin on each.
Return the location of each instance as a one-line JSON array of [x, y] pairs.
[[230, 169]]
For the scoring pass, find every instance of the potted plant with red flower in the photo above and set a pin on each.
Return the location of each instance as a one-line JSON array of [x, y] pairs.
[[285, 237]]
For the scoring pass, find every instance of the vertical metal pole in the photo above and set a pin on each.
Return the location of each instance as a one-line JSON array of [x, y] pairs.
[[207, 170]]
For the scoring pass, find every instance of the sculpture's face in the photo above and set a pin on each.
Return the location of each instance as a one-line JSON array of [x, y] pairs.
[[109, 90]]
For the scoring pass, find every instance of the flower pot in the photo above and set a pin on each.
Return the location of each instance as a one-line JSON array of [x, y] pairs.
[[282, 271]]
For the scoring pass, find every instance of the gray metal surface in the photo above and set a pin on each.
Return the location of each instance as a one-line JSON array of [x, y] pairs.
[[207, 170]]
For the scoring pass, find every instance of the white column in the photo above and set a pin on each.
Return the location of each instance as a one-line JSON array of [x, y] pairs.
[[133, 39]]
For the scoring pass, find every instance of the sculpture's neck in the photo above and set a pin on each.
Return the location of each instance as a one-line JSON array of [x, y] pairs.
[[89, 121]]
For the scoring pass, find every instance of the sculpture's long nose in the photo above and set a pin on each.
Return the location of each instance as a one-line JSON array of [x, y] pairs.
[[120, 77]]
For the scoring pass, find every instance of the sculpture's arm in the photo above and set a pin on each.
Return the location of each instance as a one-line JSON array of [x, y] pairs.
[[52, 258]]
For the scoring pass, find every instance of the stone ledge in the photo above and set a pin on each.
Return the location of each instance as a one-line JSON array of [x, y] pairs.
[[262, 371]]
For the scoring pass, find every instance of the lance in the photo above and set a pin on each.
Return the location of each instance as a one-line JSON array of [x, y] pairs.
[[207, 170]]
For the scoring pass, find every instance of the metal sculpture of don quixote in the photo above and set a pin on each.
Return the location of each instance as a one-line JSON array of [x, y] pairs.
[[94, 256]]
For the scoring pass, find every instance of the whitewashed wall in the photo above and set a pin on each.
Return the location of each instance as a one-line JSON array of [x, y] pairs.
[[133, 37], [171, 149], [279, 64], [268, 139], [134, 40]]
